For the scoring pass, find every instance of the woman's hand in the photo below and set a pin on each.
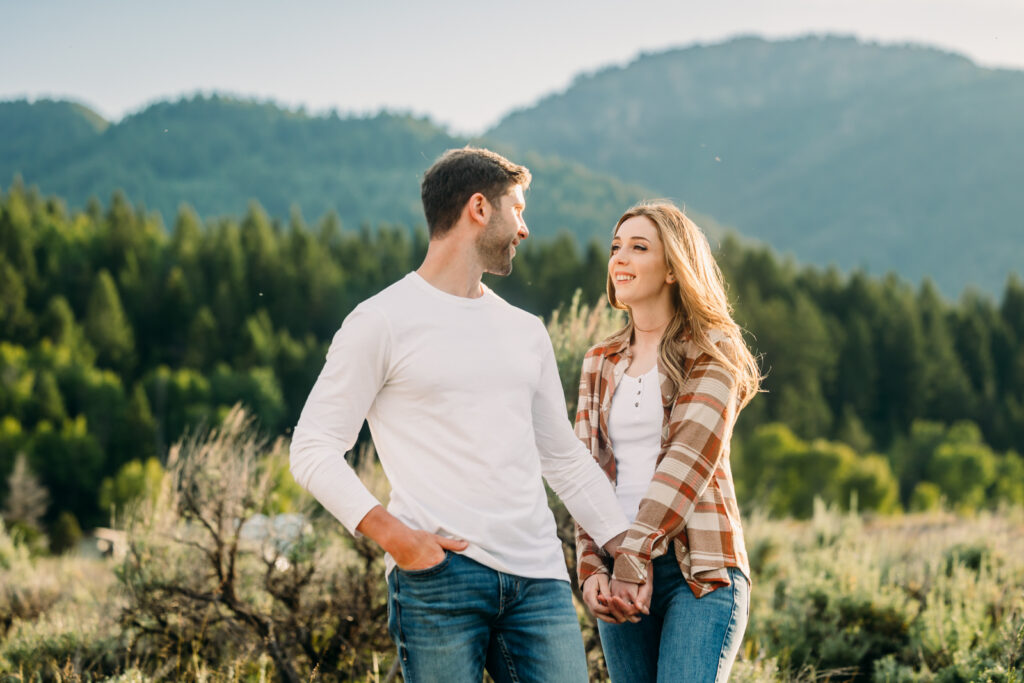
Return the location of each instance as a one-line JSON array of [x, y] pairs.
[[629, 600], [595, 594]]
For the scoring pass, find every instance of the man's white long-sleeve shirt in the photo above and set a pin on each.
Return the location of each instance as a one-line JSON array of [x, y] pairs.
[[467, 414]]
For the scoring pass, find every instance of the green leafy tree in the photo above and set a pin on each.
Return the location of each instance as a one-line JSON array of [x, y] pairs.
[[69, 461], [65, 533], [135, 481], [203, 344], [912, 455], [47, 402], [1009, 484], [963, 467], [15, 318], [178, 399], [869, 480]]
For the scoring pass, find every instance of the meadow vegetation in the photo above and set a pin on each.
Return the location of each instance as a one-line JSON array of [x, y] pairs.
[[845, 594], [841, 596]]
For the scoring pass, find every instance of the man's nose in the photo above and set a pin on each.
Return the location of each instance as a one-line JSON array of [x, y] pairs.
[[524, 231]]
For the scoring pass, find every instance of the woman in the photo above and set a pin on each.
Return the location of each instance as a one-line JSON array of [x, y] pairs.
[[657, 404]]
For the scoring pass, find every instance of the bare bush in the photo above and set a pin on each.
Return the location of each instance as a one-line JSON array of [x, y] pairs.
[[312, 601]]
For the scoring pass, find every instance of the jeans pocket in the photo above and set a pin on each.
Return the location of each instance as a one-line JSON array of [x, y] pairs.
[[428, 571]]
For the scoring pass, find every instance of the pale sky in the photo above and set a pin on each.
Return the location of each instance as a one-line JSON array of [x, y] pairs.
[[464, 64]]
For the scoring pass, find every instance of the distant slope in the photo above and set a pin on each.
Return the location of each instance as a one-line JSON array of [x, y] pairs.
[[45, 130], [890, 157], [218, 153]]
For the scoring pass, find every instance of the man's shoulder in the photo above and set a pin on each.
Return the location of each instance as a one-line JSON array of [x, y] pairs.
[[399, 290], [379, 313], [520, 315], [391, 300]]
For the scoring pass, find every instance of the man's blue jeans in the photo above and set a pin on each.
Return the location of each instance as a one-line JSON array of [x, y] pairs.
[[452, 620], [683, 638]]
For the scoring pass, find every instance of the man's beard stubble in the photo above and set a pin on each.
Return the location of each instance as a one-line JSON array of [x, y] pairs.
[[494, 250]]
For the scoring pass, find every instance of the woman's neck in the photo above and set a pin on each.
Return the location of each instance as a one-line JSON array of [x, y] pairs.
[[651, 320]]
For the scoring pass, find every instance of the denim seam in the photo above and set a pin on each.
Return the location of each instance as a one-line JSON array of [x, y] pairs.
[[402, 650], [509, 662], [728, 631], [501, 594]]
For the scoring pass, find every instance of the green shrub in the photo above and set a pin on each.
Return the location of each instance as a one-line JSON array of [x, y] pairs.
[[57, 647], [65, 533], [926, 496], [919, 598]]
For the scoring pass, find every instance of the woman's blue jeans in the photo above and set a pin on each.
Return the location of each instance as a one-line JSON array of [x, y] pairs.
[[683, 638], [454, 619]]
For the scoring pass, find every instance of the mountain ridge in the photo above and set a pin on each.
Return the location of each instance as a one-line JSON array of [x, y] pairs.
[[862, 155], [217, 153]]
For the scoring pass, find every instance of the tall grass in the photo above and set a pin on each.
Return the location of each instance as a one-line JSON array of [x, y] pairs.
[[923, 597]]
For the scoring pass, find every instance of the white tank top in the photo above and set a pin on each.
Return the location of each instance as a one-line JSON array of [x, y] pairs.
[[634, 426]]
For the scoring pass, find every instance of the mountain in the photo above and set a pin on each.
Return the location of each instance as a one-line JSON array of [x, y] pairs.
[[218, 153], [888, 157]]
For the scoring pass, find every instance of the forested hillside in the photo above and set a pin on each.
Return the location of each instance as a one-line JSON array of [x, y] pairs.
[[217, 154], [116, 336], [891, 157]]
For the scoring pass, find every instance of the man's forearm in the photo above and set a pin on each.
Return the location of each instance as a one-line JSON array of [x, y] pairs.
[[383, 528], [409, 548]]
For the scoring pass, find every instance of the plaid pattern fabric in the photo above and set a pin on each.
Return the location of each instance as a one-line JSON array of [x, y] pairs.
[[690, 504]]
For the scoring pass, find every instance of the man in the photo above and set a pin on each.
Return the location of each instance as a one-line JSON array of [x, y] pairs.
[[466, 410]]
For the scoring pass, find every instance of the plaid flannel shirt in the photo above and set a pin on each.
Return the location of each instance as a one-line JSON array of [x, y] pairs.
[[691, 501]]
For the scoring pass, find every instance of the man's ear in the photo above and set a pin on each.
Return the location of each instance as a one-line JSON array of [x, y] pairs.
[[478, 209]]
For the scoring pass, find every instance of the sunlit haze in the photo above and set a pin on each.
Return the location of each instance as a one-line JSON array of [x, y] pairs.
[[465, 64]]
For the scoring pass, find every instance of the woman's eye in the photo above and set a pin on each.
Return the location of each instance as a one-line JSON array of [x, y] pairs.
[[614, 248], [641, 247]]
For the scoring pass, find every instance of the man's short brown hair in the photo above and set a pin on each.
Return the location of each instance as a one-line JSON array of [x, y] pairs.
[[457, 176]]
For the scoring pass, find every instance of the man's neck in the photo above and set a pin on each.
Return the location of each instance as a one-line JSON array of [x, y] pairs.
[[453, 268]]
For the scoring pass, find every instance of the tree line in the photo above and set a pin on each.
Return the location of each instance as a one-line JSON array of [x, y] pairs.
[[117, 335]]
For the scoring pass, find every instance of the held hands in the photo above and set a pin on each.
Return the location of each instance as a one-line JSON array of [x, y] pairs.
[[618, 601], [631, 599], [596, 595]]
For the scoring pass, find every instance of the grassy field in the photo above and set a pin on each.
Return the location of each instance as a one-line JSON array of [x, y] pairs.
[[905, 598], [839, 597]]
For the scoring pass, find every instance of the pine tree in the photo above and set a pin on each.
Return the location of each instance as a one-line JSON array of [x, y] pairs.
[[14, 316], [107, 326]]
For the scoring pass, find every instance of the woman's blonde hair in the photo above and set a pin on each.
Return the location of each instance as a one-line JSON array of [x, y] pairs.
[[700, 307]]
